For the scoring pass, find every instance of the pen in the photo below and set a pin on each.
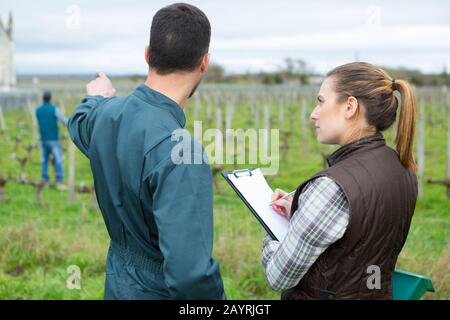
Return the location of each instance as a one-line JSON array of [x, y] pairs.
[[283, 197]]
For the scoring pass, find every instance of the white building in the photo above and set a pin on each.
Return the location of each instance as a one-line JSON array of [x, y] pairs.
[[7, 70]]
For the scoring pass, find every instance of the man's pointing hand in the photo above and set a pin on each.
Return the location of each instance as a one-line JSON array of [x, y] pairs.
[[101, 86]]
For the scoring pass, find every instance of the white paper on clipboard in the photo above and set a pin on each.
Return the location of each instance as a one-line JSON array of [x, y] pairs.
[[257, 192]]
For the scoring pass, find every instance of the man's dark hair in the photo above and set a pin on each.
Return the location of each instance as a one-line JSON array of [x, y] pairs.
[[179, 38], [47, 96]]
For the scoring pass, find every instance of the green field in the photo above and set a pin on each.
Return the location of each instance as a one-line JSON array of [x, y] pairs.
[[38, 242]]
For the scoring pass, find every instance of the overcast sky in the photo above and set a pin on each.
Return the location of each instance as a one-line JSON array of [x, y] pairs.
[[247, 35]]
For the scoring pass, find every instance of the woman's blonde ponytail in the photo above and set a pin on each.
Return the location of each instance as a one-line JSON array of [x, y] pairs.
[[406, 124]]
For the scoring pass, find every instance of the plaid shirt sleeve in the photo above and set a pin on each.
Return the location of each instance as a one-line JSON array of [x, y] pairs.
[[320, 220]]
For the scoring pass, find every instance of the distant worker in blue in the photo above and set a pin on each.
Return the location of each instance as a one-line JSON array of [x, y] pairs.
[[48, 116], [158, 212]]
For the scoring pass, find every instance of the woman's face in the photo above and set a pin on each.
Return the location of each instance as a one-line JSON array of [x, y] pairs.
[[329, 115]]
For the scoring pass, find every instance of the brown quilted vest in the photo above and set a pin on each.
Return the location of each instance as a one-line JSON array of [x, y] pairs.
[[382, 196]]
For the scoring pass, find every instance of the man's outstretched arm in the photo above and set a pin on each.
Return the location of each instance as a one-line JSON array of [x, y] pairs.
[[82, 120]]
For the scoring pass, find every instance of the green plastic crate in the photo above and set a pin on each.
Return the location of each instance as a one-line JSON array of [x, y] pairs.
[[409, 286]]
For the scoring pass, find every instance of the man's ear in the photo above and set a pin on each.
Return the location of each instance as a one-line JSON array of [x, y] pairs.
[[147, 54], [205, 63], [351, 108]]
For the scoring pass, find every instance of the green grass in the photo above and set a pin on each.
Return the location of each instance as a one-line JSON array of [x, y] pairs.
[[38, 243]]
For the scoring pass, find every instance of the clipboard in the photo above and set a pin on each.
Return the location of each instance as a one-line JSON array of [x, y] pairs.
[[274, 224]]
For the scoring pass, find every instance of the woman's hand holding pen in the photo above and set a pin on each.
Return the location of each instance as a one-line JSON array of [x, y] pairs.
[[282, 202]]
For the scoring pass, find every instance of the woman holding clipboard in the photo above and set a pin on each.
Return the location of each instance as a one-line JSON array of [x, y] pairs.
[[348, 223]]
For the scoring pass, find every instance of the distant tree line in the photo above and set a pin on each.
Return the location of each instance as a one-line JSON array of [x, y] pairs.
[[299, 72]]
